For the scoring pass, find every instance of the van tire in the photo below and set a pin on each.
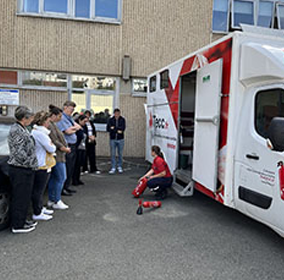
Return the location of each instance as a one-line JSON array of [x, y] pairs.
[[4, 209]]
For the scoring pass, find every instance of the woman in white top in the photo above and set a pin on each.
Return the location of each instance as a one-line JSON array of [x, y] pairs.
[[44, 147]]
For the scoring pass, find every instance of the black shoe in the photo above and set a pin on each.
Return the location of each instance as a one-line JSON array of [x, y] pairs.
[[66, 193], [162, 194], [31, 223], [25, 229], [81, 182], [70, 190]]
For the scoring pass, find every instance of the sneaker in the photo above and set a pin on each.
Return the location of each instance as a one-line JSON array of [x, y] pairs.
[[112, 171], [47, 211], [86, 172], [31, 223], [60, 205], [120, 170], [25, 229], [50, 203], [98, 172], [42, 217]]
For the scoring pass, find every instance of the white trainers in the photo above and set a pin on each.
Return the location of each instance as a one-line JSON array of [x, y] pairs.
[[47, 211], [112, 171], [98, 172], [60, 205], [120, 170], [50, 203], [42, 217]]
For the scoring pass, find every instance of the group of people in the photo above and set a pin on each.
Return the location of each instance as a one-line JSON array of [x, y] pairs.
[[52, 154]]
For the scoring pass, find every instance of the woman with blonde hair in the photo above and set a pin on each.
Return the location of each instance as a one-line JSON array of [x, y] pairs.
[[44, 150]]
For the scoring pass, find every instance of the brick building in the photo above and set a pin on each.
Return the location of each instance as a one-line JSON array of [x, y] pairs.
[[98, 53]]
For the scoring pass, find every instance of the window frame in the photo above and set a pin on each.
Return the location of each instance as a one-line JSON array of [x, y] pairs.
[[258, 91], [156, 83], [228, 19], [138, 93], [277, 4], [273, 12], [162, 80], [70, 15], [233, 14]]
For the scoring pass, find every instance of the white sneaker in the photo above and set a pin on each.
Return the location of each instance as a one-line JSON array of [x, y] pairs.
[[98, 172], [60, 205], [42, 217], [120, 170], [47, 211], [50, 203], [112, 171]]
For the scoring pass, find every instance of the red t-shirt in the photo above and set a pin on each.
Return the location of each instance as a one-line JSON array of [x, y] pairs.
[[159, 165]]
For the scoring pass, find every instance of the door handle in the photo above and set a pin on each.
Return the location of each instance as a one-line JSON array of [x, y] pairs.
[[255, 157]]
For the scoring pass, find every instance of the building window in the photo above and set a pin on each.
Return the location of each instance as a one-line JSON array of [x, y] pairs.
[[91, 82], [102, 105], [8, 77], [220, 16], [41, 79], [265, 14], [97, 94], [31, 6], [269, 104], [139, 87], [164, 79], [243, 12], [106, 8], [153, 81], [82, 8], [96, 10], [56, 6]]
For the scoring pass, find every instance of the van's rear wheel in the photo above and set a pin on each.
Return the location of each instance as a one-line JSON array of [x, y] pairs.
[[4, 209]]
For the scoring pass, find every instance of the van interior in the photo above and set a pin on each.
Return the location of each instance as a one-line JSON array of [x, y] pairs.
[[186, 129]]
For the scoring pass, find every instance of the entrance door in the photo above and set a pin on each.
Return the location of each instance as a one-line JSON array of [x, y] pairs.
[[206, 129]]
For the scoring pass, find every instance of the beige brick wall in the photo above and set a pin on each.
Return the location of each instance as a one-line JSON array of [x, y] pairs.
[[153, 33]]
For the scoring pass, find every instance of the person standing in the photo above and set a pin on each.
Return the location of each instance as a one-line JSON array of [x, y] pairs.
[[22, 165], [90, 131], [80, 151], [58, 172], [44, 152], [69, 128], [116, 126]]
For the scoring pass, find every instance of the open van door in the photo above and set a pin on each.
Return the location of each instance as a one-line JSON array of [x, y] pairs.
[[207, 122]]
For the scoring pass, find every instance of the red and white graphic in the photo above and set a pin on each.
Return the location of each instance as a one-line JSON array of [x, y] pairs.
[[281, 178]]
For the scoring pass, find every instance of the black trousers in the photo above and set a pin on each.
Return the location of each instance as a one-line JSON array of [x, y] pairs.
[[22, 181], [70, 164], [40, 182], [91, 157], [80, 159]]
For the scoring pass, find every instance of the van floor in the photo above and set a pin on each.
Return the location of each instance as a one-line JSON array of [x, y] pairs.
[[102, 237]]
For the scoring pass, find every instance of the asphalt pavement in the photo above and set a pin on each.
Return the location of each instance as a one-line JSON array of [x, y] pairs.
[[101, 237]]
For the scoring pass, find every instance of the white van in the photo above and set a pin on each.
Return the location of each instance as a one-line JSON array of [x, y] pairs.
[[210, 113]]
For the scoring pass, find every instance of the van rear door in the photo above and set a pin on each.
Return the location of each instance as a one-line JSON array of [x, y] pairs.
[[206, 130]]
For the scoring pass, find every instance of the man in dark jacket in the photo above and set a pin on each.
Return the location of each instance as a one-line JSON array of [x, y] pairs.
[[116, 127]]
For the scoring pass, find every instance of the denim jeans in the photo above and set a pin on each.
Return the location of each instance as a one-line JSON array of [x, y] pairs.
[[56, 181], [116, 144]]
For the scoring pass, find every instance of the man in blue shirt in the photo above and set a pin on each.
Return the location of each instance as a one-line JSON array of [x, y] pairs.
[[69, 128]]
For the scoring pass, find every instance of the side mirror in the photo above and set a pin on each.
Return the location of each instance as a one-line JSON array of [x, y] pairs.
[[275, 139]]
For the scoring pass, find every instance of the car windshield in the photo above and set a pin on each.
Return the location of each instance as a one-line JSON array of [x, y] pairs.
[[4, 131]]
